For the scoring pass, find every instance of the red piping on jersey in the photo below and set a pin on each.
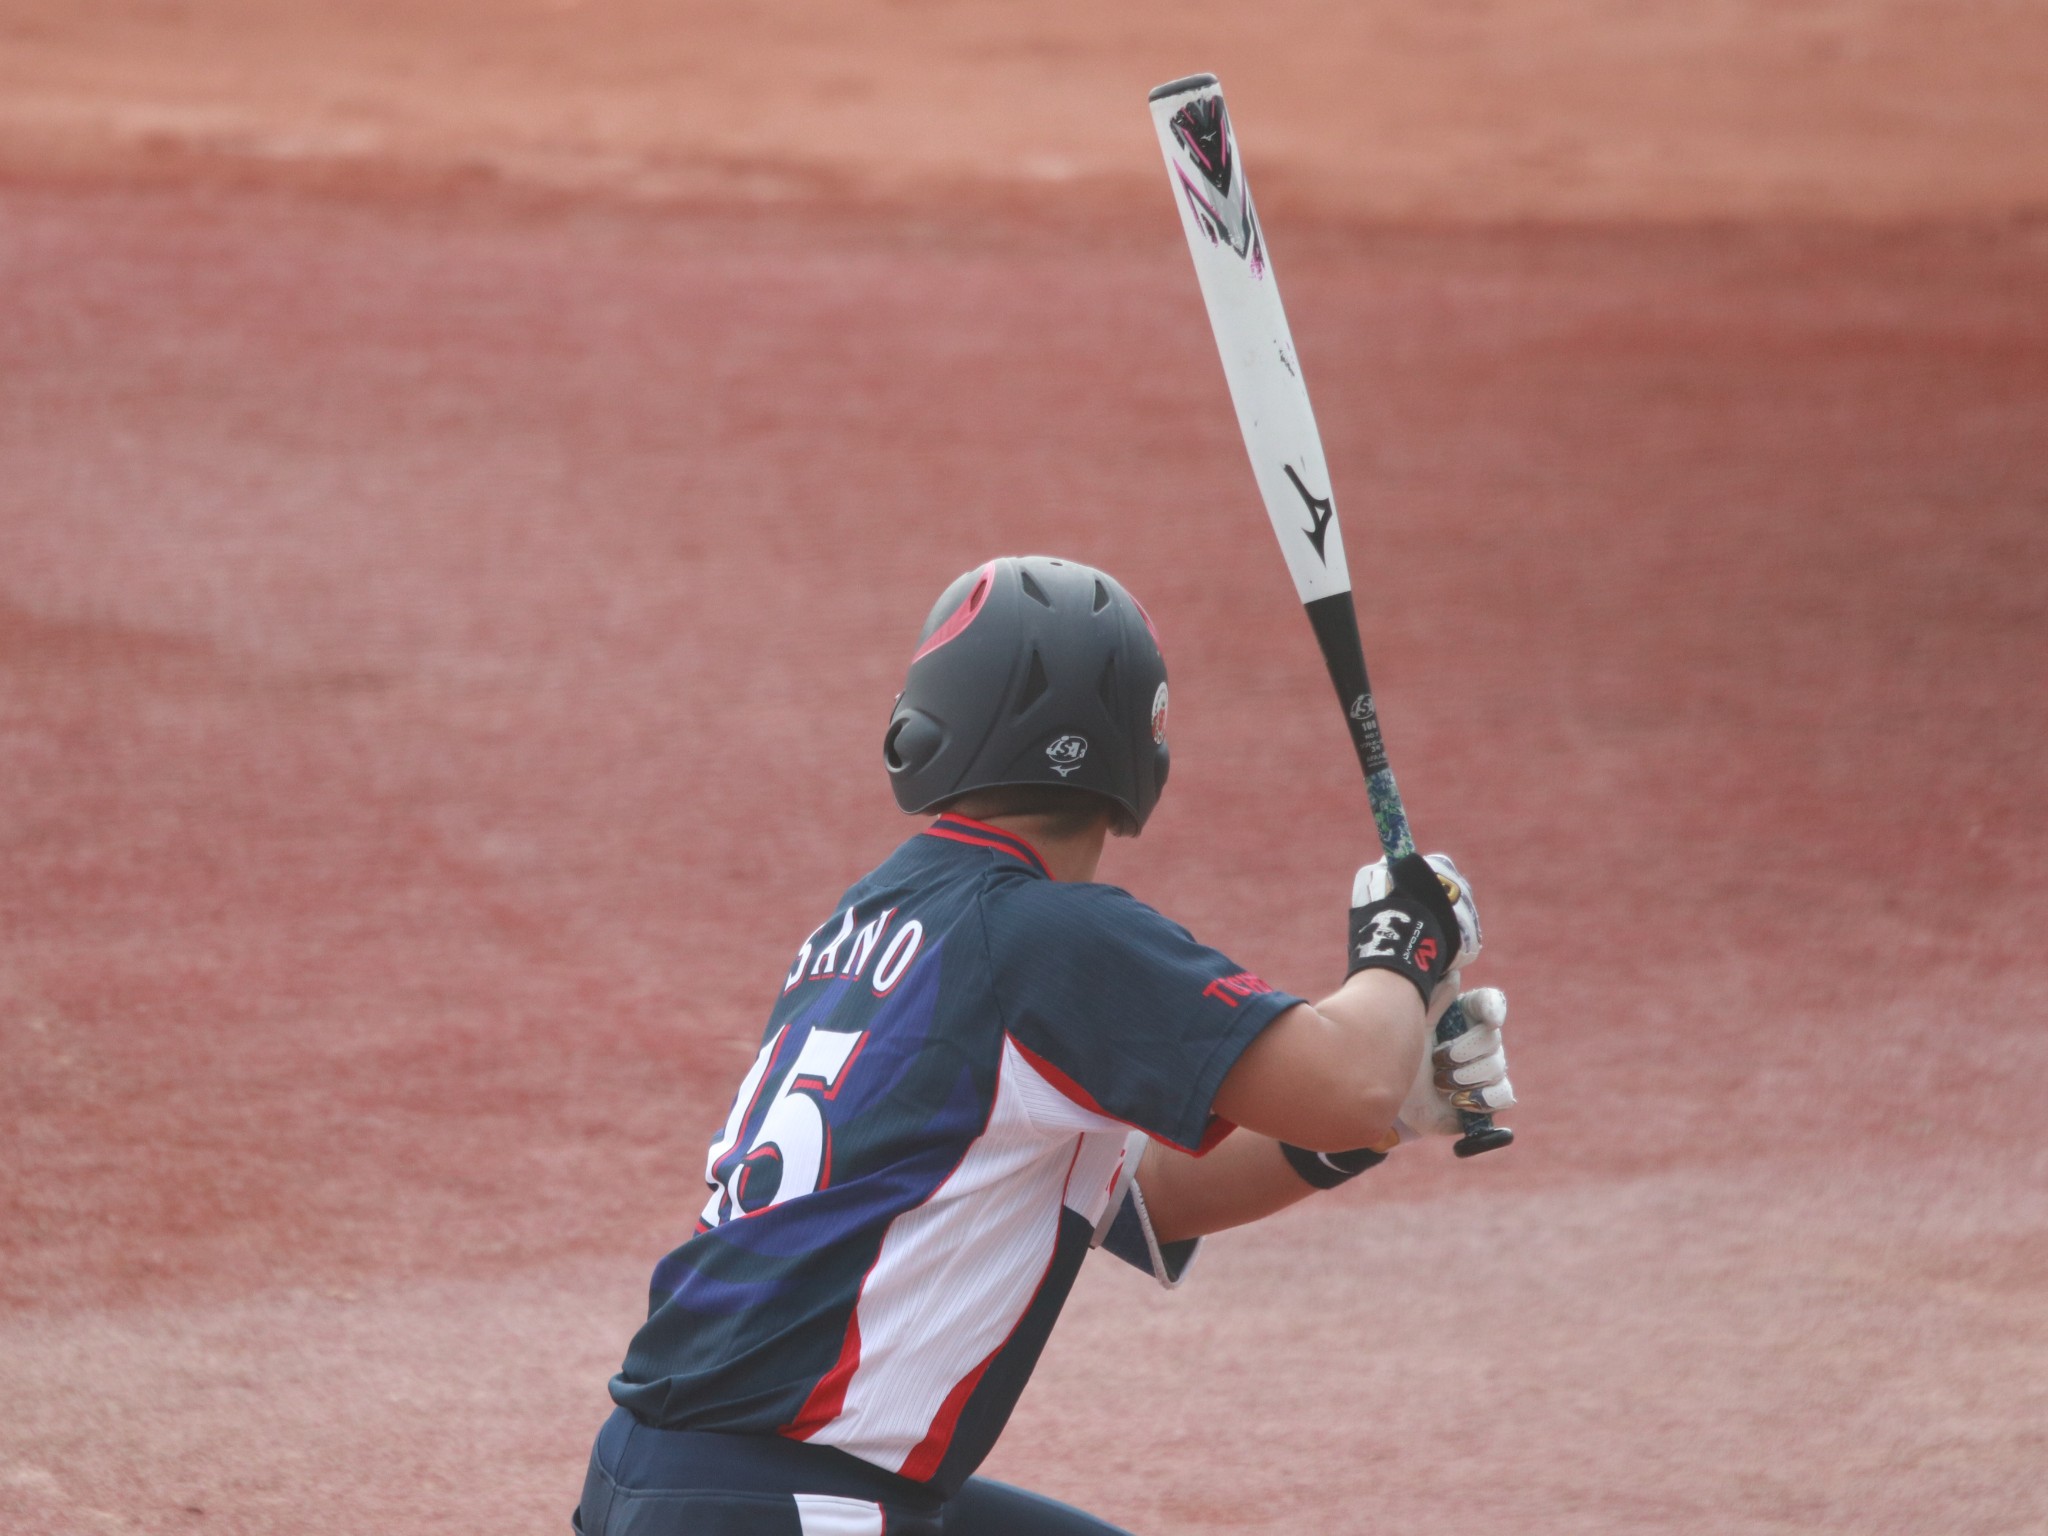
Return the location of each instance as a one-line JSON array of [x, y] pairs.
[[948, 826], [958, 620], [1064, 1083], [1075, 1162], [1212, 1134], [828, 1398], [923, 1463]]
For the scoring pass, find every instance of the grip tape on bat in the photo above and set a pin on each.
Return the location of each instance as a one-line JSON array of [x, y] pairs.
[[1335, 622], [1481, 1134]]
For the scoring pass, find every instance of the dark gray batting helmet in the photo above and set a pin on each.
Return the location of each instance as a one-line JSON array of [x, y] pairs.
[[1032, 671]]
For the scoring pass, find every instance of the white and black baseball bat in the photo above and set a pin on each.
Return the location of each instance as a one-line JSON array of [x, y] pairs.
[[1236, 274]]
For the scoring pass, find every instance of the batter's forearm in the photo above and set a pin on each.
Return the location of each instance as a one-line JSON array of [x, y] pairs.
[[1244, 1179]]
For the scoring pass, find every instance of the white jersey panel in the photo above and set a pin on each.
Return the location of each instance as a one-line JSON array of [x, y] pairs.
[[1049, 1109], [827, 1515], [1109, 1149], [955, 1275]]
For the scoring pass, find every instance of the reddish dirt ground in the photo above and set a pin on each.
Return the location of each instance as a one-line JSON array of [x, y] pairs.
[[444, 652], [443, 648], [1450, 110]]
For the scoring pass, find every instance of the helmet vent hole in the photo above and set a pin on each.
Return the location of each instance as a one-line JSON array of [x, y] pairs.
[[889, 753], [1106, 684], [1101, 596], [1033, 590], [1035, 684]]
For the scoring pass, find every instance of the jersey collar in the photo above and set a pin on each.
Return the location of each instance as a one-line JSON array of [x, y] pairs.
[[963, 829]]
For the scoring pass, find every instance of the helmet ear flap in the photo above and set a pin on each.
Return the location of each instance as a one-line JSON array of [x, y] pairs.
[[914, 739]]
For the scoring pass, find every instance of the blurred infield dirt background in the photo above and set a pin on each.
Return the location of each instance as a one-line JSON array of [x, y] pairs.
[[470, 475]]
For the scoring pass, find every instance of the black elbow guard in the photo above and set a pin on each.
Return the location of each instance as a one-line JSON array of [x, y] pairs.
[[1326, 1170]]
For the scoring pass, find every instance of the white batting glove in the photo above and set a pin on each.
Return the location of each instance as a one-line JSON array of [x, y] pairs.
[[1374, 882], [1468, 1073]]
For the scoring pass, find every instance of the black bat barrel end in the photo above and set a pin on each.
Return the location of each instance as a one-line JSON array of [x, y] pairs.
[[1180, 87], [1475, 1142]]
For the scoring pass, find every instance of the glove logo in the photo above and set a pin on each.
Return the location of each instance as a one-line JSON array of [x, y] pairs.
[[1425, 955], [1066, 753], [1383, 942]]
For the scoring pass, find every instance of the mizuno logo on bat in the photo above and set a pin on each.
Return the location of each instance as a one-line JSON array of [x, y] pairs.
[[1224, 214], [1319, 513]]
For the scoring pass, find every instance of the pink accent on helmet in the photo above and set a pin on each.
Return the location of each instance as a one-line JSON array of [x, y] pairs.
[[961, 617], [1150, 626]]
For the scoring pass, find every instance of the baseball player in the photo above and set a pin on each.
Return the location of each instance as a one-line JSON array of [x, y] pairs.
[[981, 1065]]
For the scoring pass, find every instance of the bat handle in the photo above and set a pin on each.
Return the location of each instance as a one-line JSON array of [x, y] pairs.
[[1481, 1134]]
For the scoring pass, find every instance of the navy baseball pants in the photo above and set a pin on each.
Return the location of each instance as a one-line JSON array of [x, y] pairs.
[[658, 1482]]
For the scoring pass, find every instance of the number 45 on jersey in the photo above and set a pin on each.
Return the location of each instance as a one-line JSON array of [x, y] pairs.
[[773, 1153]]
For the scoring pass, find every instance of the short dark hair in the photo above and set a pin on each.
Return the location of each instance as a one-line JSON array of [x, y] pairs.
[[1067, 810]]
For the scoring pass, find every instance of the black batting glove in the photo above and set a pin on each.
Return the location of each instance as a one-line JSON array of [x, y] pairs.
[[1412, 929]]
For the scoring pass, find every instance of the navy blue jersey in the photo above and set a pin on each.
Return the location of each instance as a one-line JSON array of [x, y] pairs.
[[954, 1084]]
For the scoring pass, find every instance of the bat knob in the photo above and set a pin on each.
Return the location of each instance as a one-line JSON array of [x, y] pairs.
[[1483, 1138]]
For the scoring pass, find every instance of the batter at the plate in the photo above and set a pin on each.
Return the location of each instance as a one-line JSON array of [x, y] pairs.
[[979, 1066]]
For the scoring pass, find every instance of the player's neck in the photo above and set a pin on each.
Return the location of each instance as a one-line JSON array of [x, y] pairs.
[[1068, 855]]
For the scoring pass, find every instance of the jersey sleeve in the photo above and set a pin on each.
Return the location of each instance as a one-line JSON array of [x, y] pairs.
[[1121, 1008]]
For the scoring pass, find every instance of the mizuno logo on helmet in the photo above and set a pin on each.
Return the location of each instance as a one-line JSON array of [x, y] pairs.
[[1066, 753]]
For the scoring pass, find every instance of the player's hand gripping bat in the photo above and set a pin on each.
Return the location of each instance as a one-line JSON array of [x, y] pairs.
[[1236, 275]]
